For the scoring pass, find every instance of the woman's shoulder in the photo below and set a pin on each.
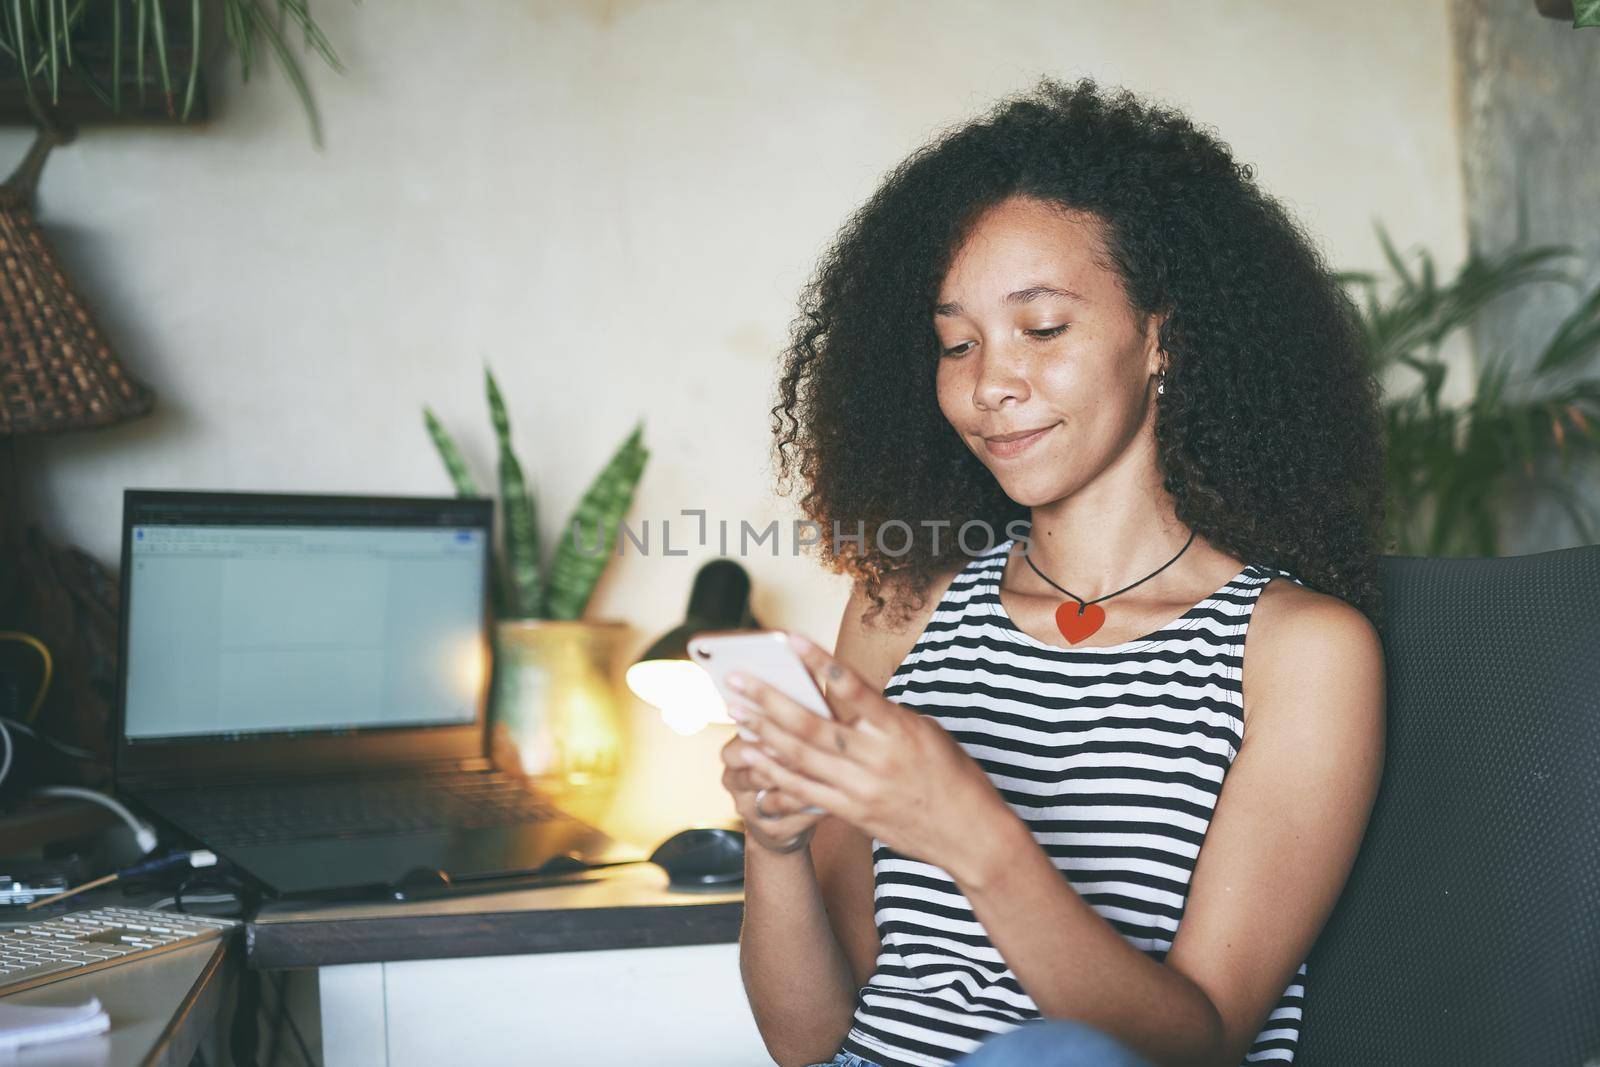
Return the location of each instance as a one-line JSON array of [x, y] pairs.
[[1295, 629], [1298, 613], [874, 643]]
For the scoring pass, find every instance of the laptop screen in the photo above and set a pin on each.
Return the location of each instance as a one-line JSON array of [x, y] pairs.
[[252, 618]]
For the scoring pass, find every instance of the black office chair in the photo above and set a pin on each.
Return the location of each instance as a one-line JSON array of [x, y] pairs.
[[1469, 931]]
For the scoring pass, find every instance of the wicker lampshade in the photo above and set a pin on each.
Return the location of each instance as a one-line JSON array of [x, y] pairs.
[[56, 371]]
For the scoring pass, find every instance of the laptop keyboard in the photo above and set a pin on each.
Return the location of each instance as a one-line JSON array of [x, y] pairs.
[[282, 812]]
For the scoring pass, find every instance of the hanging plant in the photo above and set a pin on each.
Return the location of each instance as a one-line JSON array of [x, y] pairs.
[[99, 43]]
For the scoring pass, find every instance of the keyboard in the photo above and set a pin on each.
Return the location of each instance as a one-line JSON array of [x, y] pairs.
[[50, 949], [281, 812]]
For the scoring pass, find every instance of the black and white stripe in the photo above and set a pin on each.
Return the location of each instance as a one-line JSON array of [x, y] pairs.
[[1114, 756]]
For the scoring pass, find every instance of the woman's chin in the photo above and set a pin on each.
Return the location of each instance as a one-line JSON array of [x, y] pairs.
[[1031, 492]]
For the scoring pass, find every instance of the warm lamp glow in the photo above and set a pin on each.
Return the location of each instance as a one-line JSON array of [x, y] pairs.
[[469, 664], [681, 691]]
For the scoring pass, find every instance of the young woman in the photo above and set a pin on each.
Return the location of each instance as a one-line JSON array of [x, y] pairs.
[[1078, 325]]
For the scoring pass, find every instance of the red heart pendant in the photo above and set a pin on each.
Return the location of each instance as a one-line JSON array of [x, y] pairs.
[[1075, 627]]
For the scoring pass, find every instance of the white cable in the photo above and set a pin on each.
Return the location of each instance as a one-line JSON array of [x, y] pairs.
[[28, 731], [5, 766], [143, 832]]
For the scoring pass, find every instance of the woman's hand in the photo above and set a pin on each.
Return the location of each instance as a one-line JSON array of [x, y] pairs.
[[782, 824], [890, 772]]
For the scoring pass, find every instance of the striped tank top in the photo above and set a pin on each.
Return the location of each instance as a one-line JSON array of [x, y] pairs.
[[1114, 756]]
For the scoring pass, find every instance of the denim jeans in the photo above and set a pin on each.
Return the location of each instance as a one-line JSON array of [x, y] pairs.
[[1036, 1043]]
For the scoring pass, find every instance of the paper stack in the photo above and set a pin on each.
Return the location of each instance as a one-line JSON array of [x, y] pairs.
[[24, 1024]]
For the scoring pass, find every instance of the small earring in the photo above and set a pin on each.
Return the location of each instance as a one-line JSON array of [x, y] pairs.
[[1161, 385]]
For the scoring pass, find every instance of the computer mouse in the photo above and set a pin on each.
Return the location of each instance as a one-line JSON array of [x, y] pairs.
[[562, 863], [419, 882], [702, 856]]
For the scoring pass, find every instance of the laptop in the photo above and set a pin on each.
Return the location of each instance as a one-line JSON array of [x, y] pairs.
[[303, 685]]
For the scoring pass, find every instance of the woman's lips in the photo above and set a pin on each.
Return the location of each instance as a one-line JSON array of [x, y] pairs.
[[1007, 446]]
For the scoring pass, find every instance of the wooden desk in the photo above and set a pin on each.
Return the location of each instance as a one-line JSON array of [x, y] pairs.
[[160, 1008]]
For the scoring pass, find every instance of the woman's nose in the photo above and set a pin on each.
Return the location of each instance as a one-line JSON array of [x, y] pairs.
[[999, 377]]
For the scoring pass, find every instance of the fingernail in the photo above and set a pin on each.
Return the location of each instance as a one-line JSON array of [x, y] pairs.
[[737, 683], [801, 643]]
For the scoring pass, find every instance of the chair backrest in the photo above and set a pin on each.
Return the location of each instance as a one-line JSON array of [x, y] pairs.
[[1469, 931]]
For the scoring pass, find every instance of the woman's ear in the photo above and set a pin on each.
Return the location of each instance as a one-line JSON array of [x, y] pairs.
[[1158, 359]]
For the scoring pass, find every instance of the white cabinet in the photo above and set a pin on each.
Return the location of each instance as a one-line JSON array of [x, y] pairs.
[[657, 1006]]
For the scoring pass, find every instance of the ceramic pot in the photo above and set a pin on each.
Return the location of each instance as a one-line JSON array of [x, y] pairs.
[[555, 707]]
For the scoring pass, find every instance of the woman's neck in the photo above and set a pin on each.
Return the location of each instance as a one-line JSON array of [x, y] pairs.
[[1095, 547]]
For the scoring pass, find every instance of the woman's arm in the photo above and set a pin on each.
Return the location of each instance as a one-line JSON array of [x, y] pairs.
[[1279, 848], [796, 976], [809, 941]]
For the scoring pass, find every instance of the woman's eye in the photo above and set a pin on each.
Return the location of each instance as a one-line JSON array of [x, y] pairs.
[[1046, 334]]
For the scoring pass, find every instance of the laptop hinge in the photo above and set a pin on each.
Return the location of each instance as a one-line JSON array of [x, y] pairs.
[[171, 780]]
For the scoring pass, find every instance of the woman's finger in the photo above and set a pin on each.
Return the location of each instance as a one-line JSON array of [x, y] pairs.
[[830, 753], [853, 701], [743, 779], [808, 791], [781, 827], [816, 667], [762, 699]]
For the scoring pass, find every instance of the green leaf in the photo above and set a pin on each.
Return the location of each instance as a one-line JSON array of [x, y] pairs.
[[518, 514], [116, 56], [1577, 338], [574, 574], [502, 428], [454, 465], [239, 27], [194, 60], [66, 34], [291, 69], [314, 37], [138, 44], [1585, 13], [92, 83], [158, 25], [19, 37], [55, 66], [1396, 264], [465, 486]]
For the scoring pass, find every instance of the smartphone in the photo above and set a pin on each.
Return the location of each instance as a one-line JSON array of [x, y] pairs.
[[762, 654]]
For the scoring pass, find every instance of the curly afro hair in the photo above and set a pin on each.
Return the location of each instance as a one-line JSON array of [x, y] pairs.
[[1269, 433]]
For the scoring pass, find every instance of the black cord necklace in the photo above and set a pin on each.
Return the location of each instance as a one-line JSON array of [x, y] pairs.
[[1078, 625]]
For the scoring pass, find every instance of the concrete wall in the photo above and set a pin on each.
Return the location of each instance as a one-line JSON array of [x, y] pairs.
[[616, 204], [1531, 160]]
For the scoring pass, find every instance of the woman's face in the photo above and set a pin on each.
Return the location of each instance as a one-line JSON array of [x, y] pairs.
[[1044, 371]]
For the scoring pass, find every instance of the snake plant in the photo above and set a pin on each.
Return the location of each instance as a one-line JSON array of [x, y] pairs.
[[1453, 469], [523, 588]]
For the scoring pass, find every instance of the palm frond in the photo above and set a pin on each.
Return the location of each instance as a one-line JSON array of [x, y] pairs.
[[1452, 468]]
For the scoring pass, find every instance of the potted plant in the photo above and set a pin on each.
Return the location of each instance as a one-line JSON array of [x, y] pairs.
[[554, 702], [73, 60], [1453, 469]]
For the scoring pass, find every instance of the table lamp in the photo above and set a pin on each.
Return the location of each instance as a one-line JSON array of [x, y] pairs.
[[666, 679]]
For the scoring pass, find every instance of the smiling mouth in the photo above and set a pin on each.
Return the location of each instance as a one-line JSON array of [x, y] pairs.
[[1011, 444]]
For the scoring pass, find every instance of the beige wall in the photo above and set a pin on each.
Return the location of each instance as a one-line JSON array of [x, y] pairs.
[[616, 204]]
